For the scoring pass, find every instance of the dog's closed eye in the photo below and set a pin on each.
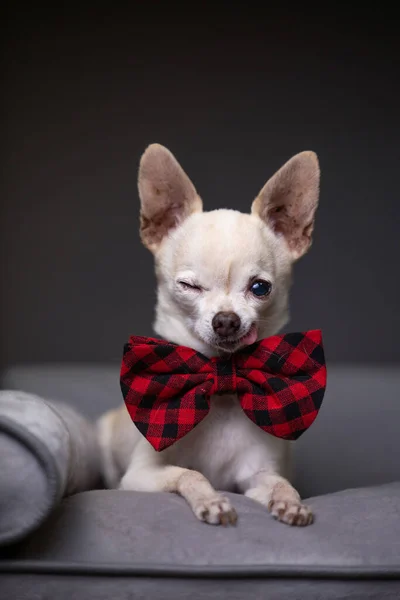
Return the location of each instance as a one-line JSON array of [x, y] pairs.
[[185, 285]]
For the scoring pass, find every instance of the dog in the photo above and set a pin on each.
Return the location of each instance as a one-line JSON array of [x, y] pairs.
[[223, 283]]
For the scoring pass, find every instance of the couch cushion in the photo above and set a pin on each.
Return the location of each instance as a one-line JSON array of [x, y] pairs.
[[354, 529], [120, 545]]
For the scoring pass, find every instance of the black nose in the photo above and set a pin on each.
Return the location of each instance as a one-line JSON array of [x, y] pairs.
[[226, 323]]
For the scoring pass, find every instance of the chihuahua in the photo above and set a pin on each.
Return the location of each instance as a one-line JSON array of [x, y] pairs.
[[223, 283]]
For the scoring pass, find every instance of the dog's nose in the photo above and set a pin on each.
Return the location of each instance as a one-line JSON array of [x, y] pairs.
[[226, 323]]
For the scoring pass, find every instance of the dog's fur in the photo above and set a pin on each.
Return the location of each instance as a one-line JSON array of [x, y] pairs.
[[220, 253]]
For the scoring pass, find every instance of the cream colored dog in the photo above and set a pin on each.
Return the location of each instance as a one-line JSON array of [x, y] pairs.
[[223, 283]]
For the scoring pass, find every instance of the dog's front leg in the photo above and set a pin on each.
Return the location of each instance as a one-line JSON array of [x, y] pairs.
[[279, 496], [207, 504]]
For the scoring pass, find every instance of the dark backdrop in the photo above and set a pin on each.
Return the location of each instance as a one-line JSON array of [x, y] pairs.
[[233, 92]]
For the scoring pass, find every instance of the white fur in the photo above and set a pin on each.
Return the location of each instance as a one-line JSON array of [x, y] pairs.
[[221, 252]]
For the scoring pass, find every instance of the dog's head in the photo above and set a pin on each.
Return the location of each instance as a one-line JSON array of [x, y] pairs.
[[224, 276]]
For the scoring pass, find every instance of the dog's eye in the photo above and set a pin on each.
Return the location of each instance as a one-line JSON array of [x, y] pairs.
[[189, 286], [260, 288]]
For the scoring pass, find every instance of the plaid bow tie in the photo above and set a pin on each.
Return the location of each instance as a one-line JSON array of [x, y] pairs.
[[280, 382]]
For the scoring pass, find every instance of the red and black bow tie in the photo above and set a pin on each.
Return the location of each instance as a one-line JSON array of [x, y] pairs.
[[280, 382]]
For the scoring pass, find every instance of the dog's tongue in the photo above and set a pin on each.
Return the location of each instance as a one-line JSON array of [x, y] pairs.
[[251, 337]]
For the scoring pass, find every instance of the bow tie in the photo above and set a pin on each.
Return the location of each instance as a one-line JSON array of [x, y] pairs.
[[280, 383]]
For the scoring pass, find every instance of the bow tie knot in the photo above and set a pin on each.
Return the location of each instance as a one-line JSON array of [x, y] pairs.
[[224, 377]]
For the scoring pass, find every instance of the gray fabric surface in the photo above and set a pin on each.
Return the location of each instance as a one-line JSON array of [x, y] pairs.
[[28, 485], [58, 587], [354, 528], [353, 442], [129, 545], [47, 450]]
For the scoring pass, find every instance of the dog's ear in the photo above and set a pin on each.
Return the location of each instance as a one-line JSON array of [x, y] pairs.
[[288, 201], [166, 193]]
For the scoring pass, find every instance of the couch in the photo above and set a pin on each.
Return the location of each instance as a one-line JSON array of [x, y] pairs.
[[118, 545]]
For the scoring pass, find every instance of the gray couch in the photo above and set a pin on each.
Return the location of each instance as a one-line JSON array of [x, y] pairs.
[[119, 545]]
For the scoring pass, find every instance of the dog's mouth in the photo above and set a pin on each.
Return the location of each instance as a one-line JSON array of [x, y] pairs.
[[233, 344]]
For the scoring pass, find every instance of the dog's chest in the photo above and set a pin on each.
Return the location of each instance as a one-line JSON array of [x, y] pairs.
[[226, 445]]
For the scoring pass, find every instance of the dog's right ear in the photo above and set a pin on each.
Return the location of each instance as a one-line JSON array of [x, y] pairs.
[[166, 193]]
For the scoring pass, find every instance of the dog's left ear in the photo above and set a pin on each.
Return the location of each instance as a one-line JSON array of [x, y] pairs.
[[288, 201]]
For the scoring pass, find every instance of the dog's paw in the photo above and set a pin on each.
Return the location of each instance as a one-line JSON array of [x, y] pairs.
[[216, 510], [290, 512]]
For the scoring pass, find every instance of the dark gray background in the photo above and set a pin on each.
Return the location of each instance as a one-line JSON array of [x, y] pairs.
[[233, 92]]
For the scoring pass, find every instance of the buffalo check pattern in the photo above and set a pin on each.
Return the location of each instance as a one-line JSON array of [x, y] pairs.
[[280, 382]]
